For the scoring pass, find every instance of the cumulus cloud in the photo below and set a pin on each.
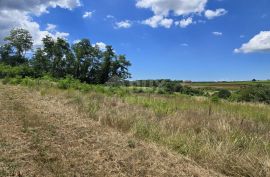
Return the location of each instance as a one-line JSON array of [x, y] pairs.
[[123, 24], [178, 7], [210, 14], [166, 8], [157, 21], [184, 22], [87, 14], [50, 27], [37, 7], [216, 33], [17, 14], [259, 43]]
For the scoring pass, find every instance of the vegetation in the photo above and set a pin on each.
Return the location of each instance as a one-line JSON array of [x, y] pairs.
[[58, 59], [230, 138], [211, 124]]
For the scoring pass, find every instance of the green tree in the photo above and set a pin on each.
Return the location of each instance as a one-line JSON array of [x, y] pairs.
[[5, 51], [21, 40], [59, 55], [120, 67], [40, 62], [105, 69], [85, 59]]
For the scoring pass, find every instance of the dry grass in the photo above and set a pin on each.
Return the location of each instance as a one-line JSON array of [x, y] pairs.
[[50, 133], [231, 138]]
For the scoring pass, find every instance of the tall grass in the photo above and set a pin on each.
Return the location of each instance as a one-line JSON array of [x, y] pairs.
[[231, 138]]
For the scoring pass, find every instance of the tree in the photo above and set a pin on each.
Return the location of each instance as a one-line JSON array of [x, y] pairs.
[[40, 62], [56, 57], [85, 59], [120, 67], [61, 50], [21, 40], [59, 55], [5, 51], [105, 70]]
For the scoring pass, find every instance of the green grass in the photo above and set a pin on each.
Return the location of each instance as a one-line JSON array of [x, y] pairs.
[[227, 85]]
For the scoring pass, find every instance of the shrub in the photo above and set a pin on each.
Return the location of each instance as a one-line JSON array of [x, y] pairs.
[[257, 93], [224, 94], [68, 82], [215, 99], [27, 81], [22, 70], [192, 91]]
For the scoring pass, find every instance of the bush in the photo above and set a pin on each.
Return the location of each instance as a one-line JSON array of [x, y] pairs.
[[192, 91], [224, 94], [215, 99], [257, 93], [27, 81], [68, 82], [22, 71]]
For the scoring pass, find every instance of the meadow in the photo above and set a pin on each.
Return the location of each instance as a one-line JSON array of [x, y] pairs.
[[231, 138], [232, 85]]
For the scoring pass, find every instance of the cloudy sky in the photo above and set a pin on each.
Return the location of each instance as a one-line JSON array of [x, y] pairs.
[[177, 39]]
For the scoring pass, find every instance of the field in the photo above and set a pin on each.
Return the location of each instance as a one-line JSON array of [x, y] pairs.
[[226, 85], [104, 131]]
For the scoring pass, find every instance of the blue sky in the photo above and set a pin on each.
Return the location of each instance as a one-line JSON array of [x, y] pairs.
[[209, 40]]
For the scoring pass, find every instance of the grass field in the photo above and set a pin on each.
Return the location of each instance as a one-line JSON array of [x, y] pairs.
[[226, 85], [220, 138]]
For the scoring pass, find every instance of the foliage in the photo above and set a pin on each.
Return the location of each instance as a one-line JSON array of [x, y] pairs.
[[257, 93], [21, 70], [224, 94], [21, 40], [58, 58]]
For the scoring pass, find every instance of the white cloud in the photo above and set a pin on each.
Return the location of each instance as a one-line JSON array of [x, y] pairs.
[[210, 14], [259, 43], [178, 7], [87, 14], [50, 27], [37, 7], [76, 41], [163, 9], [101, 46], [17, 14], [157, 21], [60, 35], [123, 24], [216, 33], [184, 22]]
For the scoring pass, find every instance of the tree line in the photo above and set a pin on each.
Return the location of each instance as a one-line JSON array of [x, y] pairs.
[[58, 58]]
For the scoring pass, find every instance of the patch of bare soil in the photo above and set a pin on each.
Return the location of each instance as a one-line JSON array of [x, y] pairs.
[[47, 136]]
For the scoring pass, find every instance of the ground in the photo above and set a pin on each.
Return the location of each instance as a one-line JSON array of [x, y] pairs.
[[43, 135]]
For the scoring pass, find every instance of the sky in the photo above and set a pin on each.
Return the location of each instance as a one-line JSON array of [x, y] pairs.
[[199, 40]]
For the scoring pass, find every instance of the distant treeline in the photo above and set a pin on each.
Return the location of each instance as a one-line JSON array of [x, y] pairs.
[[59, 59]]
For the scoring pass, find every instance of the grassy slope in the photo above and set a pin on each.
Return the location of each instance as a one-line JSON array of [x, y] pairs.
[[51, 132]]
